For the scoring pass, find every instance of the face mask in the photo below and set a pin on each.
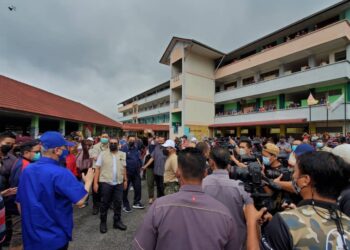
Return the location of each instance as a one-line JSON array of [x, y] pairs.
[[131, 144], [5, 149], [113, 147], [104, 140], [36, 157], [17, 151], [266, 161], [242, 152], [63, 156], [294, 147], [319, 145], [165, 152]]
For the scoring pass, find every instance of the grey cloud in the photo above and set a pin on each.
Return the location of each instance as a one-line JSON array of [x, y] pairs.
[[102, 52]]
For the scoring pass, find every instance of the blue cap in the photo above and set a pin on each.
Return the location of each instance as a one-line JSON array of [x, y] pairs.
[[52, 139], [303, 148]]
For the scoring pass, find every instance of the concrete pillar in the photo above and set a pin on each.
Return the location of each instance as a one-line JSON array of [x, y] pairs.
[[238, 134], [81, 127], [63, 127], [281, 70], [239, 82], [34, 127], [258, 131], [312, 61], [313, 128], [257, 76], [282, 129], [348, 52]]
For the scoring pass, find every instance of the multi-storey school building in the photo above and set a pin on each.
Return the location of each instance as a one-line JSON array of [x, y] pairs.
[[261, 88]]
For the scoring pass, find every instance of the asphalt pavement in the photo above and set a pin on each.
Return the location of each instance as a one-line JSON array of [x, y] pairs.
[[86, 233]]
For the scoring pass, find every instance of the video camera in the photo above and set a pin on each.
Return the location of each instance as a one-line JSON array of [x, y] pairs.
[[254, 181]]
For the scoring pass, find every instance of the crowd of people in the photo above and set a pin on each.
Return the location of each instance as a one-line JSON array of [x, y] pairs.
[[217, 193]]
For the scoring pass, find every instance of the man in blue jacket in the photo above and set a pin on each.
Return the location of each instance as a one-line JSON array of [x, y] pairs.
[[133, 166]]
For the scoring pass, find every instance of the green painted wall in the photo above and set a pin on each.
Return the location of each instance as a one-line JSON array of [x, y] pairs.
[[230, 106], [333, 87], [176, 117], [348, 92], [345, 15], [268, 99], [280, 40]]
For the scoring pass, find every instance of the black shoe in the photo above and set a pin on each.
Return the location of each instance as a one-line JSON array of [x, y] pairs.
[[127, 209], [138, 205], [119, 225], [103, 227], [95, 210]]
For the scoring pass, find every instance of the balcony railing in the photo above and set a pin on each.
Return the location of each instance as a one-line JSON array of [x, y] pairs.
[[310, 76], [176, 81], [154, 97], [318, 113]]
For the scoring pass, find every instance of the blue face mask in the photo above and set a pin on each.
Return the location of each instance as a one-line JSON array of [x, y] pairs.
[[319, 145], [294, 147], [36, 157], [104, 140], [266, 161], [64, 154]]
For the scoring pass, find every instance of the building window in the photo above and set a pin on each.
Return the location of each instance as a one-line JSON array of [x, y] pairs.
[[340, 56]]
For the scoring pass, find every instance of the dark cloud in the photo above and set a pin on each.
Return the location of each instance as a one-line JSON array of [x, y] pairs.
[[102, 52]]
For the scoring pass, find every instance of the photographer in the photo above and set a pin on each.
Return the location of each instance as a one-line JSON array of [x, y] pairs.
[[229, 192], [317, 223], [244, 151]]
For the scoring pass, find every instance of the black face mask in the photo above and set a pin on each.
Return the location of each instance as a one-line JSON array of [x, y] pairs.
[[165, 152], [113, 147], [131, 144], [5, 149], [17, 151]]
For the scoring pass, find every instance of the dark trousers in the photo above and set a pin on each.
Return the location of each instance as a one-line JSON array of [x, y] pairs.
[[109, 194], [135, 179], [96, 197], [160, 185]]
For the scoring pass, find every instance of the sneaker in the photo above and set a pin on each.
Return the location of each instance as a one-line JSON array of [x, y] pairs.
[[127, 209], [138, 205]]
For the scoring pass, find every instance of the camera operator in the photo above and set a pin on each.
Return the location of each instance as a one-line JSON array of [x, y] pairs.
[[229, 192], [317, 222], [244, 150]]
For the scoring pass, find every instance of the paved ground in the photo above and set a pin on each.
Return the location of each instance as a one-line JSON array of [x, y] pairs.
[[86, 234]]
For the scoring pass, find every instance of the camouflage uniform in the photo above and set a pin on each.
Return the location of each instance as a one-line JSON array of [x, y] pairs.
[[310, 231], [171, 188]]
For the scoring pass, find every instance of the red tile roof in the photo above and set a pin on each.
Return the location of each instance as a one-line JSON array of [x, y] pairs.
[[142, 127], [17, 96], [245, 124]]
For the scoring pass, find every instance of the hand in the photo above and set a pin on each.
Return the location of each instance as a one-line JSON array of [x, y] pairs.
[[232, 142], [278, 179], [96, 187], [9, 192], [125, 185], [253, 216], [144, 168], [89, 177]]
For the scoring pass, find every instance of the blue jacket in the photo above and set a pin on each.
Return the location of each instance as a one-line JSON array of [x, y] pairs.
[[133, 159]]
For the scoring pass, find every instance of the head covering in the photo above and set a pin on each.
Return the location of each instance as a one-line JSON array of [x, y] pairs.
[[303, 148], [272, 149], [194, 139], [169, 143], [52, 139], [90, 139], [343, 151]]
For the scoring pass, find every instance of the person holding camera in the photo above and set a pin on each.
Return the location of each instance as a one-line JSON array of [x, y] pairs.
[[244, 150], [317, 222], [229, 192]]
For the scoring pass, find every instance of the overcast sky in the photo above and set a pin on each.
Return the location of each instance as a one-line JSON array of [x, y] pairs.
[[102, 52]]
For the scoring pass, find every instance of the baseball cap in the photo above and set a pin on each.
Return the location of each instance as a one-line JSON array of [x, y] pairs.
[[272, 149], [303, 148], [343, 151], [52, 139], [169, 143]]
